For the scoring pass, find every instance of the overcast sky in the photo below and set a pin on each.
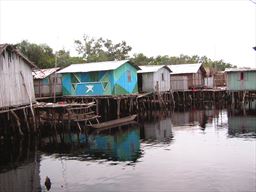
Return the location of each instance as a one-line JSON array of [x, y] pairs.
[[218, 29]]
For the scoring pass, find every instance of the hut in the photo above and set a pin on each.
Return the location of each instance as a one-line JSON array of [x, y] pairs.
[[242, 79], [47, 83], [219, 79], [101, 78], [154, 78], [187, 76], [16, 79]]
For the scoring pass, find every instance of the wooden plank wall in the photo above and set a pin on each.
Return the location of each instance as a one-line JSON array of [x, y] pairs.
[[12, 90], [179, 82], [164, 84]]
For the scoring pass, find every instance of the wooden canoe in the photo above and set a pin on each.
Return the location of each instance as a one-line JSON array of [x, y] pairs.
[[115, 122]]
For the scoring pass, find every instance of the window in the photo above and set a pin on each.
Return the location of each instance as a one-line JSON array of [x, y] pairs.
[[241, 76], [162, 76], [129, 76]]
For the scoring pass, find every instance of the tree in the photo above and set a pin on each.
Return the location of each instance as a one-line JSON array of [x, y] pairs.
[[141, 59], [94, 50], [64, 59], [220, 65], [42, 55]]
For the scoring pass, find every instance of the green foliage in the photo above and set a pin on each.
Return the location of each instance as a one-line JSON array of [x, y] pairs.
[[95, 50], [141, 59], [42, 55], [64, 59]]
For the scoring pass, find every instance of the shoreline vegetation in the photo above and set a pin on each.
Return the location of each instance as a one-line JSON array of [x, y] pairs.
[[98, 49]]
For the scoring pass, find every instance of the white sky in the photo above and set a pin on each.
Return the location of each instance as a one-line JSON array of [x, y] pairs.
[[218, 29]]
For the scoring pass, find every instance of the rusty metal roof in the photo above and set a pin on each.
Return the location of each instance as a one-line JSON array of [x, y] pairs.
[[98, 66], [43, 73], [152, 68], [185, 68], [13, 49]]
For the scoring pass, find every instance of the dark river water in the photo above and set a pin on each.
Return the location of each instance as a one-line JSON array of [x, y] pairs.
[[210, 150]]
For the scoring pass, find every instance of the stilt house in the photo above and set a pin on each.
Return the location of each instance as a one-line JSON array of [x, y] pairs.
[[46, 82], [187, 76], [16, 81], [102, 78], [154, 78], [241, 79]]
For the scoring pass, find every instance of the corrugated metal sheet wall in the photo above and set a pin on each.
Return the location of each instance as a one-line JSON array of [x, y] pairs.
[[45, 87], [149, 80], [162, 76]]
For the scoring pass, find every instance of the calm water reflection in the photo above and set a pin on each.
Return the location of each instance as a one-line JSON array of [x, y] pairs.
[[197, 150]]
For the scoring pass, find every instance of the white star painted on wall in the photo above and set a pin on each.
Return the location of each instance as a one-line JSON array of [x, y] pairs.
[[89, 88]]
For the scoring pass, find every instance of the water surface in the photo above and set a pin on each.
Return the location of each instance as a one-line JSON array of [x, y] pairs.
[[196, 150]]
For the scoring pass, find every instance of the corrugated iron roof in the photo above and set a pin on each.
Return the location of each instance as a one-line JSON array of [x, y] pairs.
[[185, 68], [152, 68], [43, 73], [239, 69], [98, 66], [13, 49]]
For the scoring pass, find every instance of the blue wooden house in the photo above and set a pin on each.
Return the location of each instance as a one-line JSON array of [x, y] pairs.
[[102, 78]]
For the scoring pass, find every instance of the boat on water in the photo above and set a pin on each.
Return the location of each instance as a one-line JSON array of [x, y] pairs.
[[115, 122]]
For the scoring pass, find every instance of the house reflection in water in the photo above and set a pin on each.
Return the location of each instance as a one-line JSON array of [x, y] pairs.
[[193, 117], [242, 122], [120, 145], [117, 144], [158, 130], [19, 168], [156, 126]]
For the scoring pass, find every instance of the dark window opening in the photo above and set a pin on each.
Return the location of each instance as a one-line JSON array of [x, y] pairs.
[[242, 76], [162, 76], [129, 76]]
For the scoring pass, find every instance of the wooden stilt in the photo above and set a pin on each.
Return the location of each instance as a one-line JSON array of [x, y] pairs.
[[118, 108], [18, 122], [26, 119]]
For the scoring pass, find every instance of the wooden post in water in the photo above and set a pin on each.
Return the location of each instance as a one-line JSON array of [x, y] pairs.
[[18, 122], [97, 106], [118, 108], [26, 119]]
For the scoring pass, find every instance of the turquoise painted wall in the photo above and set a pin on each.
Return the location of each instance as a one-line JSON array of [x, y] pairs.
[[123, 80], [234, 82]]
